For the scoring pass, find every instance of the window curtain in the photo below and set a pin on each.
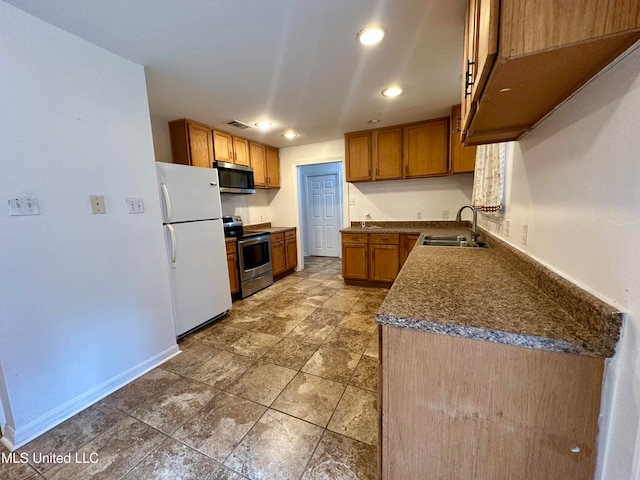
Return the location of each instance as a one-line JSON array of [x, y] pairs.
[[488, 178]]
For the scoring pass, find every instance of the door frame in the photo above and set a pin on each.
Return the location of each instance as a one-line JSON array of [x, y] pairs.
[[311, 170], [338, 207]]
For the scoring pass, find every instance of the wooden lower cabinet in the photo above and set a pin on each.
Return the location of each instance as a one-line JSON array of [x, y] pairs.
[[284, 252], [355, 256], [407, 242], [291, 249], [453, 407], [384, 257], [232, 265]]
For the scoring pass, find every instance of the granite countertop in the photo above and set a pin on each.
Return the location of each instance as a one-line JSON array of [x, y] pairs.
[[441, 227], [500, 295], [267, 228]]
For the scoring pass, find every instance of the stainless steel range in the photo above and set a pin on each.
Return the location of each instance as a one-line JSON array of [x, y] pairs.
[[254, 256]]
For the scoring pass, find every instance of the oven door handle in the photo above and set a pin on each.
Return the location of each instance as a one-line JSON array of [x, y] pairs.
[[254, 240]]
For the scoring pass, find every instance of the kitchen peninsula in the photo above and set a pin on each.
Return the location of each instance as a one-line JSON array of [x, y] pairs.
[[491, 367]]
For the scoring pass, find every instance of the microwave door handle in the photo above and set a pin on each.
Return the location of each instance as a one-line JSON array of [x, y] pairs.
[[167, 202], [253, 241], [174, 246]]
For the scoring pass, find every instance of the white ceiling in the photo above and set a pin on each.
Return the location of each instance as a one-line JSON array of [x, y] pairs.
[[293, 62]]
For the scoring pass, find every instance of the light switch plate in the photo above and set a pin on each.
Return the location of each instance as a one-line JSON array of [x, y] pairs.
[[135, 205], [97, 204], [23, 205]]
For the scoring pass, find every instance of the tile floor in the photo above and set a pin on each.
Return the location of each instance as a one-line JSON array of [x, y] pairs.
[[283, 388]]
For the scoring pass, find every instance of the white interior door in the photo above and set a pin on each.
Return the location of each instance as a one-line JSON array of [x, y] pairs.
[[323, 199]]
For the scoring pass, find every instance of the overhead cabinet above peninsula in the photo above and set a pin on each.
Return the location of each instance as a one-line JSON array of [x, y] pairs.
[[198, 145], [523, 58]]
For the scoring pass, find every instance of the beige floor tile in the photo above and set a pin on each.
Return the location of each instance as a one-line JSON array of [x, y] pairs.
[[72, 434], [369, 307], [277, 447], [341, 304], [296, 311], [253, 344], [311, 332], [326, 316], [332, 363], [340, 457], [366, 374], [277, 326], [359, 321], [348, 339], [118, 450], [290, 353], [170, 408], [373, 346], [140, 390], [174, 460], [218, 428], [310, 398], [356, 416], [193, 355], [245, 320], [14, 468], [219, 335], [222, 370], [262, 382]]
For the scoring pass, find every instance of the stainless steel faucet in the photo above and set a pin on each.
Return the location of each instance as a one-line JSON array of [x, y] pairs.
[[474, 227]]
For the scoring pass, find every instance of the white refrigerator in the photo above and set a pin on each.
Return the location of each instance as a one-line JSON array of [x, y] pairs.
[[192, 224]]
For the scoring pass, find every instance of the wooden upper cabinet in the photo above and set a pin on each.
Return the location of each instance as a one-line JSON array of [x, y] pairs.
[[358, 156], [426, 151], [191, 143], [222, 146], [273, 167], [387, 153], [258, 163], [526, 57], [241, 151], [463, 159]]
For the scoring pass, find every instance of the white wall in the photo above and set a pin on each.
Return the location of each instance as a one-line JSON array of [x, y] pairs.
[[253, 208], [84, 299], [574, 181]]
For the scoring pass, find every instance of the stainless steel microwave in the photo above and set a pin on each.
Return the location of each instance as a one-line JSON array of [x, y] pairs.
[[234, 178]]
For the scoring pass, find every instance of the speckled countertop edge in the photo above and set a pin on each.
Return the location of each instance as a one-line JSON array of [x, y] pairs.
[[266, 227], [590, 326]]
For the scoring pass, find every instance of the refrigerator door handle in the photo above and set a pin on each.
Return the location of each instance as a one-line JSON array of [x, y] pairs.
[[214, 184], [174, 247], [167, 202]]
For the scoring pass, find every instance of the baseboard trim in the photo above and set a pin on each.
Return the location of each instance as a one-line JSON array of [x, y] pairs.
[[16, 438]]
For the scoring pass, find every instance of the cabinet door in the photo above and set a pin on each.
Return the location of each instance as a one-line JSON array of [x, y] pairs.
[[200, 145], [387, 153], [278, 255], [358, 156], [232, 261], [222, 146], [291, 250], [355, 259], [426, 150], [258, 163], [463, 159], [485, 43], [273, 168], [407, 242], [384, 262], [241, 151]]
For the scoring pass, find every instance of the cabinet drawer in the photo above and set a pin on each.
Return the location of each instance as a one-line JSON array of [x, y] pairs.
[[231, 247], [385, 238], [277, 238], [289, 234], [354, 238]]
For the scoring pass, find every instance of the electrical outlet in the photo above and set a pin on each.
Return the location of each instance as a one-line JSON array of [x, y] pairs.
[[352, 201], [419, 215], [525, 233], [445, 214], [507, 228], [135, 205], [97, 204]]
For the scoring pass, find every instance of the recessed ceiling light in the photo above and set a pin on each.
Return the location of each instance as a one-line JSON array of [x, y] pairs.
[[374, 120], [370, 35], [392, 91], [263, 124], [290, 135]]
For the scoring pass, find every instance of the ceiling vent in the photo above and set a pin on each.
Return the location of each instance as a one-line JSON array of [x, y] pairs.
[[238, 124]]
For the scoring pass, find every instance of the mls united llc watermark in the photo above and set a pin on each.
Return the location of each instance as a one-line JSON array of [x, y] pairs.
[[48, 458]]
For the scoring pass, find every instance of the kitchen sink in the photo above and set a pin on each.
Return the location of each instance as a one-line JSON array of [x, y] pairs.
[[448, 241]]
